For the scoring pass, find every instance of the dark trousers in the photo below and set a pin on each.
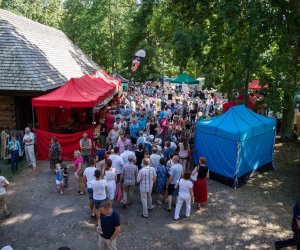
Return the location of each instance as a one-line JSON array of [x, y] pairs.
[[290, 242], [14, 160], [86, 159]]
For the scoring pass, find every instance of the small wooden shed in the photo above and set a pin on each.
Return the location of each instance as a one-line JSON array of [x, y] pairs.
[[34, 59]]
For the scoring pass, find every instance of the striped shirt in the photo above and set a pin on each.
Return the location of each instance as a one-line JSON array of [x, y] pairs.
[[146, 178], [130, 172]]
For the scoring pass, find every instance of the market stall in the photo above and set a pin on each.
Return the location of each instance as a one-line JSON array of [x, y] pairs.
[[69, 111]]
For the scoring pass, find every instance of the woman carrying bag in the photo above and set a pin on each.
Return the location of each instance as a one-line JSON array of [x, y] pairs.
[[200, 185]]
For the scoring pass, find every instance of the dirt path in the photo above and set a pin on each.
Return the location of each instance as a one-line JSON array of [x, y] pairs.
[[248, 218]]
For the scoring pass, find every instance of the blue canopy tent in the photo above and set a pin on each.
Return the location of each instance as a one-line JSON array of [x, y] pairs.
[[237, 144]]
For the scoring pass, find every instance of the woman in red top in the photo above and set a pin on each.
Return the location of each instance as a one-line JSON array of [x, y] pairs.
[[200, 186]]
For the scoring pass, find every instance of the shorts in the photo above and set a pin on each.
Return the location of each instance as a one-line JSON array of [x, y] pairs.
[[58, 182], [133, 140], [90, 193], [97, 203], [171, 189]]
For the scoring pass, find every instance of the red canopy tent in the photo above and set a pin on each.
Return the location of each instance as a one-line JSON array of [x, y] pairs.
[[228, 105], [77, 92], [255, 85], [251, 100], [83, 92], [103, 76]]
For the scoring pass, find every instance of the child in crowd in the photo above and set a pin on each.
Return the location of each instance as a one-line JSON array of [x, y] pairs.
[[59, 178], [65, 175]]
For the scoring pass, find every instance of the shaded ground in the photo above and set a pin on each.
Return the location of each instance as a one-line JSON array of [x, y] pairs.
[[251, 217]]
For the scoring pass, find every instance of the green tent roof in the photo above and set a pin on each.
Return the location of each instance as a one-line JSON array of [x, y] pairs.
[[184, 78]]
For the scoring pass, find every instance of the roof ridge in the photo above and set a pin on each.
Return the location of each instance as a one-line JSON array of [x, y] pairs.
[[35, 57], [26, 19]]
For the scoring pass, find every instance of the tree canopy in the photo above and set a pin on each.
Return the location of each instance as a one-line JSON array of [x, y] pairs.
[[228, 42]]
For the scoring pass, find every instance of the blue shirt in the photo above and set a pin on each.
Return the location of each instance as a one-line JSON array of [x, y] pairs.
[[134, 130], [14, 145], [161, 114], [176, 171], [142, 124], [101, 154], [167, 152], [58, 175]]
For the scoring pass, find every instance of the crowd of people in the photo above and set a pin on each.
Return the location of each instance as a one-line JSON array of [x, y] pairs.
[[147, 141]]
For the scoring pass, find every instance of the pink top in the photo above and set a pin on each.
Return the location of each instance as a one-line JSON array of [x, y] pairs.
[[122, 144], [164, 124], [78, 161]]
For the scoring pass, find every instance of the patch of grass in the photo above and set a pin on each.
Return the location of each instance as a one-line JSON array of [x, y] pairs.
[[6, 168]]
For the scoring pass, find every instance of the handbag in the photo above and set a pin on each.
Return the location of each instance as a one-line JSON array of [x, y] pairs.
[[119, 194], [194, 177]]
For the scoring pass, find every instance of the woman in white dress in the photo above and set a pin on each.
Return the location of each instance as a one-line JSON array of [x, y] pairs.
[[111, 177]]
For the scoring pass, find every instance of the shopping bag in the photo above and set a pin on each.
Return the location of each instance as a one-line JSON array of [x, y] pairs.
[[119, 194]]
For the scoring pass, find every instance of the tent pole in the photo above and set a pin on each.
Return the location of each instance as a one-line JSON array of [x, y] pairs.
[[32, 110], [94, 130]]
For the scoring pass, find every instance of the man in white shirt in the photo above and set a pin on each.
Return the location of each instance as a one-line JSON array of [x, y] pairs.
[[146, 178], [28, 140], [3, 208], [126, 154], [155, 158], [117, 162], [89, 176]]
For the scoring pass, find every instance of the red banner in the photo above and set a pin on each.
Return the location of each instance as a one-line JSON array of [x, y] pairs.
[[68, 142]]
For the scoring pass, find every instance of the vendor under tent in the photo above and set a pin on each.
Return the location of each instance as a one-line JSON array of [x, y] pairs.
[[70, 109], [236, 144], [184, 78]]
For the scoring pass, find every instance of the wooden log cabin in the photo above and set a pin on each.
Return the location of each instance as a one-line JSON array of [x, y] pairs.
[[34, 59]]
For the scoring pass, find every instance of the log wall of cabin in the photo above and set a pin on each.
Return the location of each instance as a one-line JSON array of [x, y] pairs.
[[7, 113]]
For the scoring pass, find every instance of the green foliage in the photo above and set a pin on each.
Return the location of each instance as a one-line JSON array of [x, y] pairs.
[[227, 42], [48, 12]]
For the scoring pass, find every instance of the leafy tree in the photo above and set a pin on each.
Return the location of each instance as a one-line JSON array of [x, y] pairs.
[[227, 42], [48, 12]]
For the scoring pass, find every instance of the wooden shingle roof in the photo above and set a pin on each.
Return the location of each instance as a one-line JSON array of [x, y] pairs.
[[35, 57]]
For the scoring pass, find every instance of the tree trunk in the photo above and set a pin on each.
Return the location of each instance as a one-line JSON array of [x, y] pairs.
[[287, 126], [287, 129]]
